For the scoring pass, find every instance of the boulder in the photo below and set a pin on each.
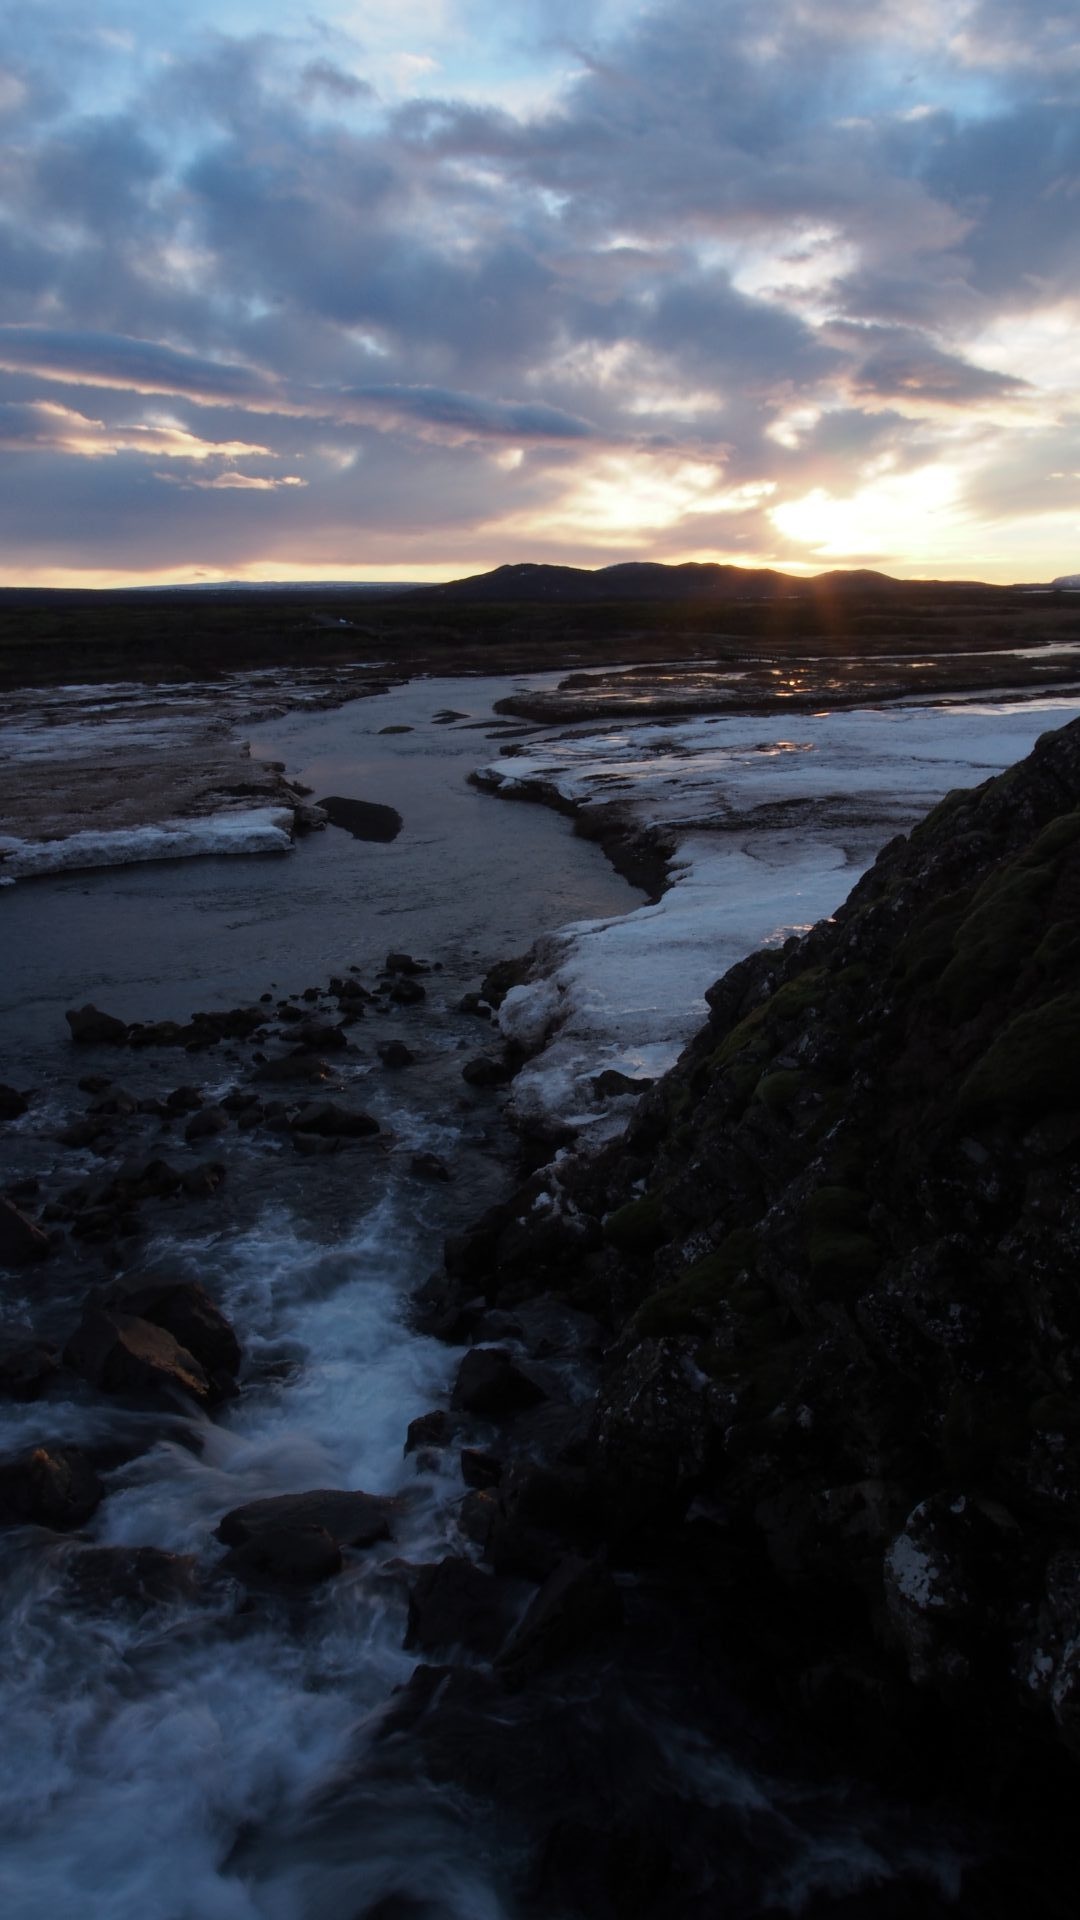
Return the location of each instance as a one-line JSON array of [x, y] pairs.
[[295, 1553], [404, 963], [49, 1486], [578, 1602], [184, 1309], [479, 1469], [21, 1242], [490, 1383], [298, 1066], [25, 1370], [320, 1036], [484, 1071], [394, 1053], [429, 1430], [99, 1578], [428, 1166], [344, 1123], [203, 1126], [13, 1104], [90, 1027], [407, 992], [351, 1519], [184, 1100], [121, 1353], [364, 819], [454, 1604]]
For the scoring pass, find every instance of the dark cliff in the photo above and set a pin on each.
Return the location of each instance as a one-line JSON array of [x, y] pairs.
[[838, 1258]]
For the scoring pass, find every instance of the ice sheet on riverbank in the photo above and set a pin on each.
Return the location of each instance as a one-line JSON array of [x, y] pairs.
[[774, 825], [252, 830]]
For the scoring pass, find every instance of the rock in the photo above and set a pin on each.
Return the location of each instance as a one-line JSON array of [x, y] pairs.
[[49, 1486], [184, 1309], [202, 1180], [25, 1370], [120, 1353], [203, 1126], [540, 1512], [491, 1384], [93, 1083], [22, 1243], [320, 1036], [578, 1602], [477, 1515], [86, 1133], [364, 819], [394, 1053], [476, 1004], [293, 1067], [184, 1100], [483, 1070], [479, 1469], [407, 992], [90, 1027], [103, 1577], [428, 1166], [396, 729], [13, 1104], [334, 1122], [404, 963], [656, 1422], [454, 1604], [115, 1101], [299, 1536], [609, 1084], [429, 1430]]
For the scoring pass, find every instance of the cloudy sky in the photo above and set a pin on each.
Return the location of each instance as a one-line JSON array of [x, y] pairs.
[[408, 288]]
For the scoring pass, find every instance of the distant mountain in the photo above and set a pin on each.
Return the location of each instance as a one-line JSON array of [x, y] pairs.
[[695, 581]]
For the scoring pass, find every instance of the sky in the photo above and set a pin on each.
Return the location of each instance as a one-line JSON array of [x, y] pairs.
[[406, 289]]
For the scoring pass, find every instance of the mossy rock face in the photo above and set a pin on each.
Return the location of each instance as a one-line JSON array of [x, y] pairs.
[[639, 1227], [758, 1030], [691, 1303], [778, 1091], [996, 937], [841, 1259], [928, 946], [837, 1207], [1031, 1068], [1058, 952], [1054, 840]]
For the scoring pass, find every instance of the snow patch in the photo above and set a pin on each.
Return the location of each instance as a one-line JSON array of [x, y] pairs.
[[250, 830]]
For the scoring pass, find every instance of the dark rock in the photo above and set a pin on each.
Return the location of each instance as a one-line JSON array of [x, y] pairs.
[[479, 1469], [49, 1487], [491, 1384], [289, 1013], [22, 1243], [320, 1036], [407, 992], [90, 1027], [94, 1083], [348, 1519], [295, 1553], [428, 1166], [609, 1084], [485, 1071], [540, 1511], [25, 1370], [27, 1189], [13, 1104], [454, 1604], [326, 1119], [120, 1353], [203, 1126], [289, 1067], [203, 1180], [394, 1053], [477, 1515], [184, 1100], [429, 1430], [116, 1101], [577, 1603], [364, 819], [86, 1133], [476, 1004], [184, 1309], [100, 1578], [404, 963]]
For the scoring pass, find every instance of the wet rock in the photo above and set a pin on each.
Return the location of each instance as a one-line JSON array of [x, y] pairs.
[[541, 1511], [26, 1370], [364, 819], [407, 992], [295, 1554], [93, 1083], [22, 1243], [394, 1053], [90, 1027], [428, 1166], [203, 1180], [297, 1523], [477, 1514], [943, 1574], [403, 963], [289, 1013], [120, 1353], [203, 1126], [86, 1133], [27, 1189], [577, 1603], [100, 1578], [332, 1121], [479, 1469], [320, 1036], [476, 1004], [290, 1067], [184, 1309], [454, 1604], [115, 1101], [491, 1384], [13, 1104], [49, 1486], [483, 1070], [609, 1084], [429, 1430], [184, 1100]]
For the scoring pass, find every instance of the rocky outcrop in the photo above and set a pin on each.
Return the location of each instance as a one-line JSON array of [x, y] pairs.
[[837, 1253]]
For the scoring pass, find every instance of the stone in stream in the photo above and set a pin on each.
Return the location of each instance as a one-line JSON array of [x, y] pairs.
[[298, 1537], [49, 1486], [433, 1429], [25, 1370], [364, 819], [121, 1353], [21, 1242], [484, 1071], [100, 1578], [323, 1117], [289, 1067], [203, 1125], [454, 1604], [13, 1104], [577, 1603], [404, 963], [394, 1053], [406, 992], [319, 1036], [428, 1166], [491, 1384], [479, 1469], [184, 1309], [86, 1133], [184, 1100], [90, 1027]]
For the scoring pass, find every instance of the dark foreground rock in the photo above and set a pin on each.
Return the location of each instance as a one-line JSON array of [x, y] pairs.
[[49, 1486], [298, 1537], [22, 1243], [120, 1353], [490, 1383], [364, 819], [455, 1604]]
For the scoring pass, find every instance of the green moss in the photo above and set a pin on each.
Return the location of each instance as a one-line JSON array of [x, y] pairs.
[[997, 936], [637, 1228], [777, 1090], [928, 945], [690, 1303], [758, 1030], [1054, 840], [1032, 1066], [942, 813]]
